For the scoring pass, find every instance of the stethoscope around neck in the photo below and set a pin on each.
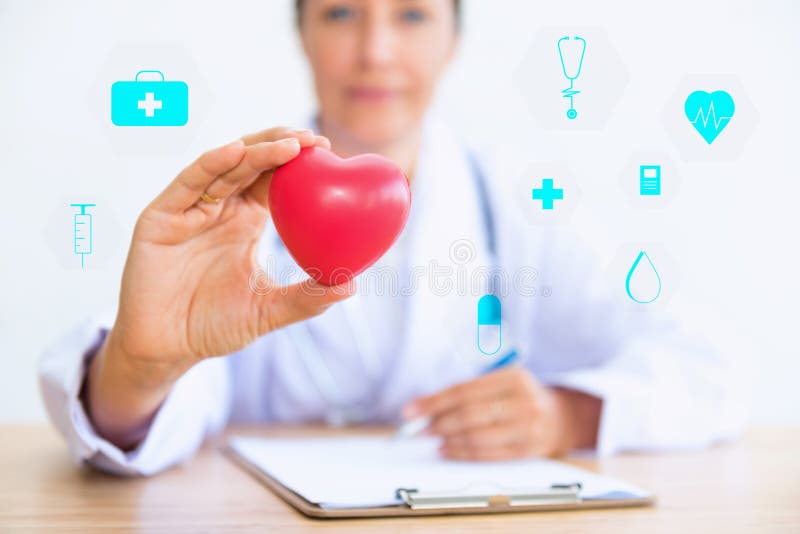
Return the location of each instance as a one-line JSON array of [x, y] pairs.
[[341, 411]]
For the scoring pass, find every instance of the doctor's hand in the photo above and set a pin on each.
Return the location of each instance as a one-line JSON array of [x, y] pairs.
[[508, 414], [185, 294]]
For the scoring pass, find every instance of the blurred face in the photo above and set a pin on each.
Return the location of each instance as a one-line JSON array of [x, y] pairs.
[[376, 62]]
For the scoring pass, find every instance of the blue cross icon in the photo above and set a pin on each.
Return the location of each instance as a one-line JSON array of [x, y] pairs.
[[547, 194]]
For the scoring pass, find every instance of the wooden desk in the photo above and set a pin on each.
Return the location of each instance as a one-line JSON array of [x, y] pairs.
[[752, 485]]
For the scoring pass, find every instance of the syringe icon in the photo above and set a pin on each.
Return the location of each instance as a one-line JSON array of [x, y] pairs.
[[82, 231]]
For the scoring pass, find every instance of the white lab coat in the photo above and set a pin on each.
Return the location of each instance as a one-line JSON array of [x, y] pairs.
[[659, 388]]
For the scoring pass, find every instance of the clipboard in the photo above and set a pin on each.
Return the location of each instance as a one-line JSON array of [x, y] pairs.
[[418, 502]]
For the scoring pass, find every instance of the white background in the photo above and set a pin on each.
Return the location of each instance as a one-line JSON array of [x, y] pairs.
[[732, 228]]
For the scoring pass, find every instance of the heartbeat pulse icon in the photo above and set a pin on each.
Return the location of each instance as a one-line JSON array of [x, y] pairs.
[[705, 117], [709, 113]]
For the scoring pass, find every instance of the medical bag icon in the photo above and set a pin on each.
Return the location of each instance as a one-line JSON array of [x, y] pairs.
[[149, 102]]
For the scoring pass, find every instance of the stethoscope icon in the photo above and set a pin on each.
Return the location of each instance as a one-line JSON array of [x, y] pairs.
[[570, 91]]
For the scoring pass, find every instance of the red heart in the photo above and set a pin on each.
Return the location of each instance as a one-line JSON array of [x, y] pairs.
[[338, 216]]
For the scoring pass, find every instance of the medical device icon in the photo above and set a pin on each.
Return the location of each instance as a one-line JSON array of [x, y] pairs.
[[709, 113], [82, 231], [575, 49], [647, 275], [490, 331], [649, 180]]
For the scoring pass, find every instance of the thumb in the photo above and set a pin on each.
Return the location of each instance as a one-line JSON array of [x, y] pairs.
[[282, 306]]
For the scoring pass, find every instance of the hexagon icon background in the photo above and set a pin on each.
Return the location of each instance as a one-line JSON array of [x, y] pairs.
[[602, 79], [107, 238], [531, 210], [670, 179], [175, 62], [731, 140], [621, 264]]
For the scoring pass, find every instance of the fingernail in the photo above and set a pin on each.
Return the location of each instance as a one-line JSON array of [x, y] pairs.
[[290, 141]]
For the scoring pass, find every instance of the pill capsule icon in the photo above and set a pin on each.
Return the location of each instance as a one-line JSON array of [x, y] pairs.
[[490, 332]]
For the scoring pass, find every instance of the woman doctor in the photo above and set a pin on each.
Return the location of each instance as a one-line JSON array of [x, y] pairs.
[[138, 395]]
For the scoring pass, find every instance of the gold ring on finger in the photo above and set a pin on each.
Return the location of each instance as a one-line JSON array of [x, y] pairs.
[[208, 198]]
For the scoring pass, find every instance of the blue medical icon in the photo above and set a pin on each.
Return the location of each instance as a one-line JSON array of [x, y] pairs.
[[547, 193], [149, 102], [575, 60], [709, 113], [650, 180], [490, 331], [82, 231], [643, 269]]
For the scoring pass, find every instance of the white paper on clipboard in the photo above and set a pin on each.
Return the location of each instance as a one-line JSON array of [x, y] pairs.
[[366, 471]]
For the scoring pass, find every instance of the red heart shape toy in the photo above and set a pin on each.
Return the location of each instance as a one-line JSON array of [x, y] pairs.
[[338, 216]]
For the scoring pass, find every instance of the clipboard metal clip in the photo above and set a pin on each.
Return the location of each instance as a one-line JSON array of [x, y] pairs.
[[555, 494]]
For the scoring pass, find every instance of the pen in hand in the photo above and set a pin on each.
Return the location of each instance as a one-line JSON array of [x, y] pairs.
[[415, 426]]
